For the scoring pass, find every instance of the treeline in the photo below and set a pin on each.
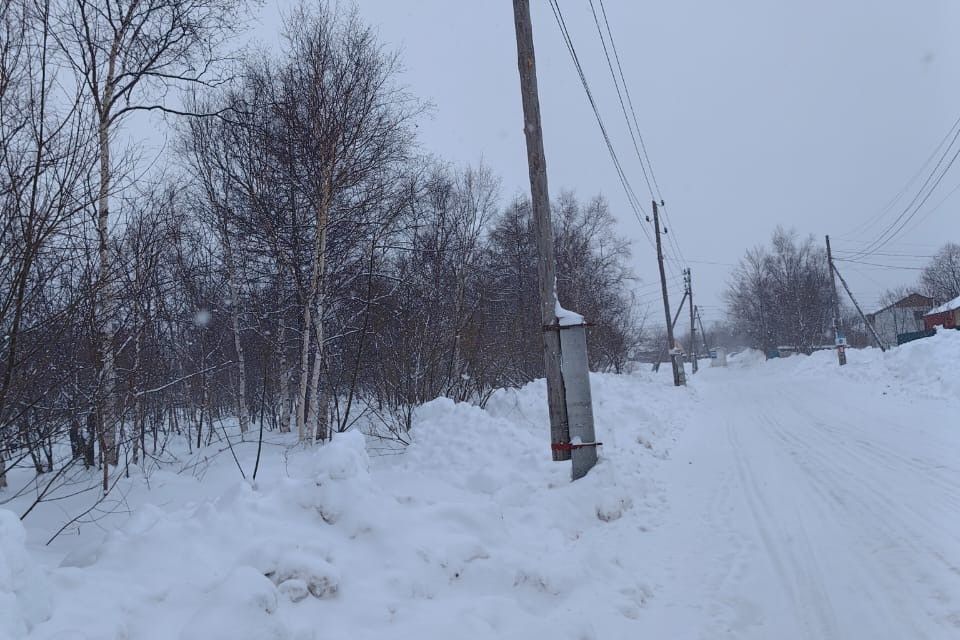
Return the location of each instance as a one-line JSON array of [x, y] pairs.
[[940, 278], [781, 295], [300, 265]]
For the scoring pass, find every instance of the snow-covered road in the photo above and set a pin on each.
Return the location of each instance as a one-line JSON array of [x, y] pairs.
[[810, 509]]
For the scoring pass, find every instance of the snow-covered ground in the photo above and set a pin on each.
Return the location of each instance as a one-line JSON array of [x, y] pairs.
[[782, 499]]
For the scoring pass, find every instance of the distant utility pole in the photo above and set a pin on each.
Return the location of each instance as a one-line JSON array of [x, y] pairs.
[[677, 372], [688, 278], [703, 332], [838, 337]]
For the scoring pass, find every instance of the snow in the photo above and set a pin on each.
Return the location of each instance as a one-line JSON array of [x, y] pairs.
[[947, 306], [565, 317], [782, 499], [23, 598]]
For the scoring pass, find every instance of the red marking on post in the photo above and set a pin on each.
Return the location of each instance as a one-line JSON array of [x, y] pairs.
[[569, 446]]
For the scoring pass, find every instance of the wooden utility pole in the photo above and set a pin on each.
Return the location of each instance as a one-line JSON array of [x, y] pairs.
[[693, 326], [838, 337], [677, 379], [540, 201], [703, 332]]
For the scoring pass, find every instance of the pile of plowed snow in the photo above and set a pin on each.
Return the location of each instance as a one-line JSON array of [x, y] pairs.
[[925, 367], [470, 532], [23, 590]]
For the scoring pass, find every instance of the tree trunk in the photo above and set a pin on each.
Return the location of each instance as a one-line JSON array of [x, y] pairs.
[[138, 417], [304, 378], [306, 429], [318, 406], [284, 379], [235, 318], [106, 373]]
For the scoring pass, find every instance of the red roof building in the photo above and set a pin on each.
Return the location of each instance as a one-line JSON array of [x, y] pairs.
[[946, 315]]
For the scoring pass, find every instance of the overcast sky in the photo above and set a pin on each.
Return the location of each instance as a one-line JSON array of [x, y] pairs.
[[811, 115]]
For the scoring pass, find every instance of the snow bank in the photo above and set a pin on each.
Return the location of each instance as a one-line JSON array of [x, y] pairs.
[[747, 358], [926, 367], [472, 532], [24, 601]]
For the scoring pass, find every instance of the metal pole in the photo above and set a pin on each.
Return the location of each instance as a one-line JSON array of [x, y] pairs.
[[838, 338], [677, 379], [540, 202]]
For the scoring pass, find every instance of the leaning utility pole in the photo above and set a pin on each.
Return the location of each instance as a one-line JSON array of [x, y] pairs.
[[838, 337], [676, 316], [703, 332], [856, 305], [540, 202], [677, 372], [693, 328]]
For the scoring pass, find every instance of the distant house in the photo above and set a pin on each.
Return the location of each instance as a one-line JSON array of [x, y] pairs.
[[904, 316], [946, 316]]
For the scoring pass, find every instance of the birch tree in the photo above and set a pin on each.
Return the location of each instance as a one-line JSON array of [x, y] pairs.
[[353, 123], [130, 54]]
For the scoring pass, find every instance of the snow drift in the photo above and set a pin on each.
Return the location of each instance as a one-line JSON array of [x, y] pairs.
[[24, 602]]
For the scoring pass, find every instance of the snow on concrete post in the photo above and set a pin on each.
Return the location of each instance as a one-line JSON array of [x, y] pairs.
[[574, 366]]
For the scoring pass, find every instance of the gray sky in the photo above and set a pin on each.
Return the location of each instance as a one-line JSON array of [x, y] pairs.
[[811, 115]]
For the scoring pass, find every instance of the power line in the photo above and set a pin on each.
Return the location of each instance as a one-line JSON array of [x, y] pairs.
[[919, 199], [624, 181], [876, 218], [720, 264], [626, 90], [633, 126], [935, 208], [616, 85], [885, 266], [890, 255]]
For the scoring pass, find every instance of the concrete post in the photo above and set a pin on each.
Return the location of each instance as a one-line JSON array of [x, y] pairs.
[[576, 384]]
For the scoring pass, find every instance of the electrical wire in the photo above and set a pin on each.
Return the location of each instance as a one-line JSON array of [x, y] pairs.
[[920, 198], [632, 199], [885, 266], [889, 206], [633, 126]]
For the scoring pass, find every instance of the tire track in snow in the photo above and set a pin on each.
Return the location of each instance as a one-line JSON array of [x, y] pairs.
[[800, 575], [867, 507], [874, 581]]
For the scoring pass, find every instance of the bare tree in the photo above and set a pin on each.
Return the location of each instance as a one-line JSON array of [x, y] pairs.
[[941, 278], [338, 94], [781, 296], [44, 153], [130, 54]]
